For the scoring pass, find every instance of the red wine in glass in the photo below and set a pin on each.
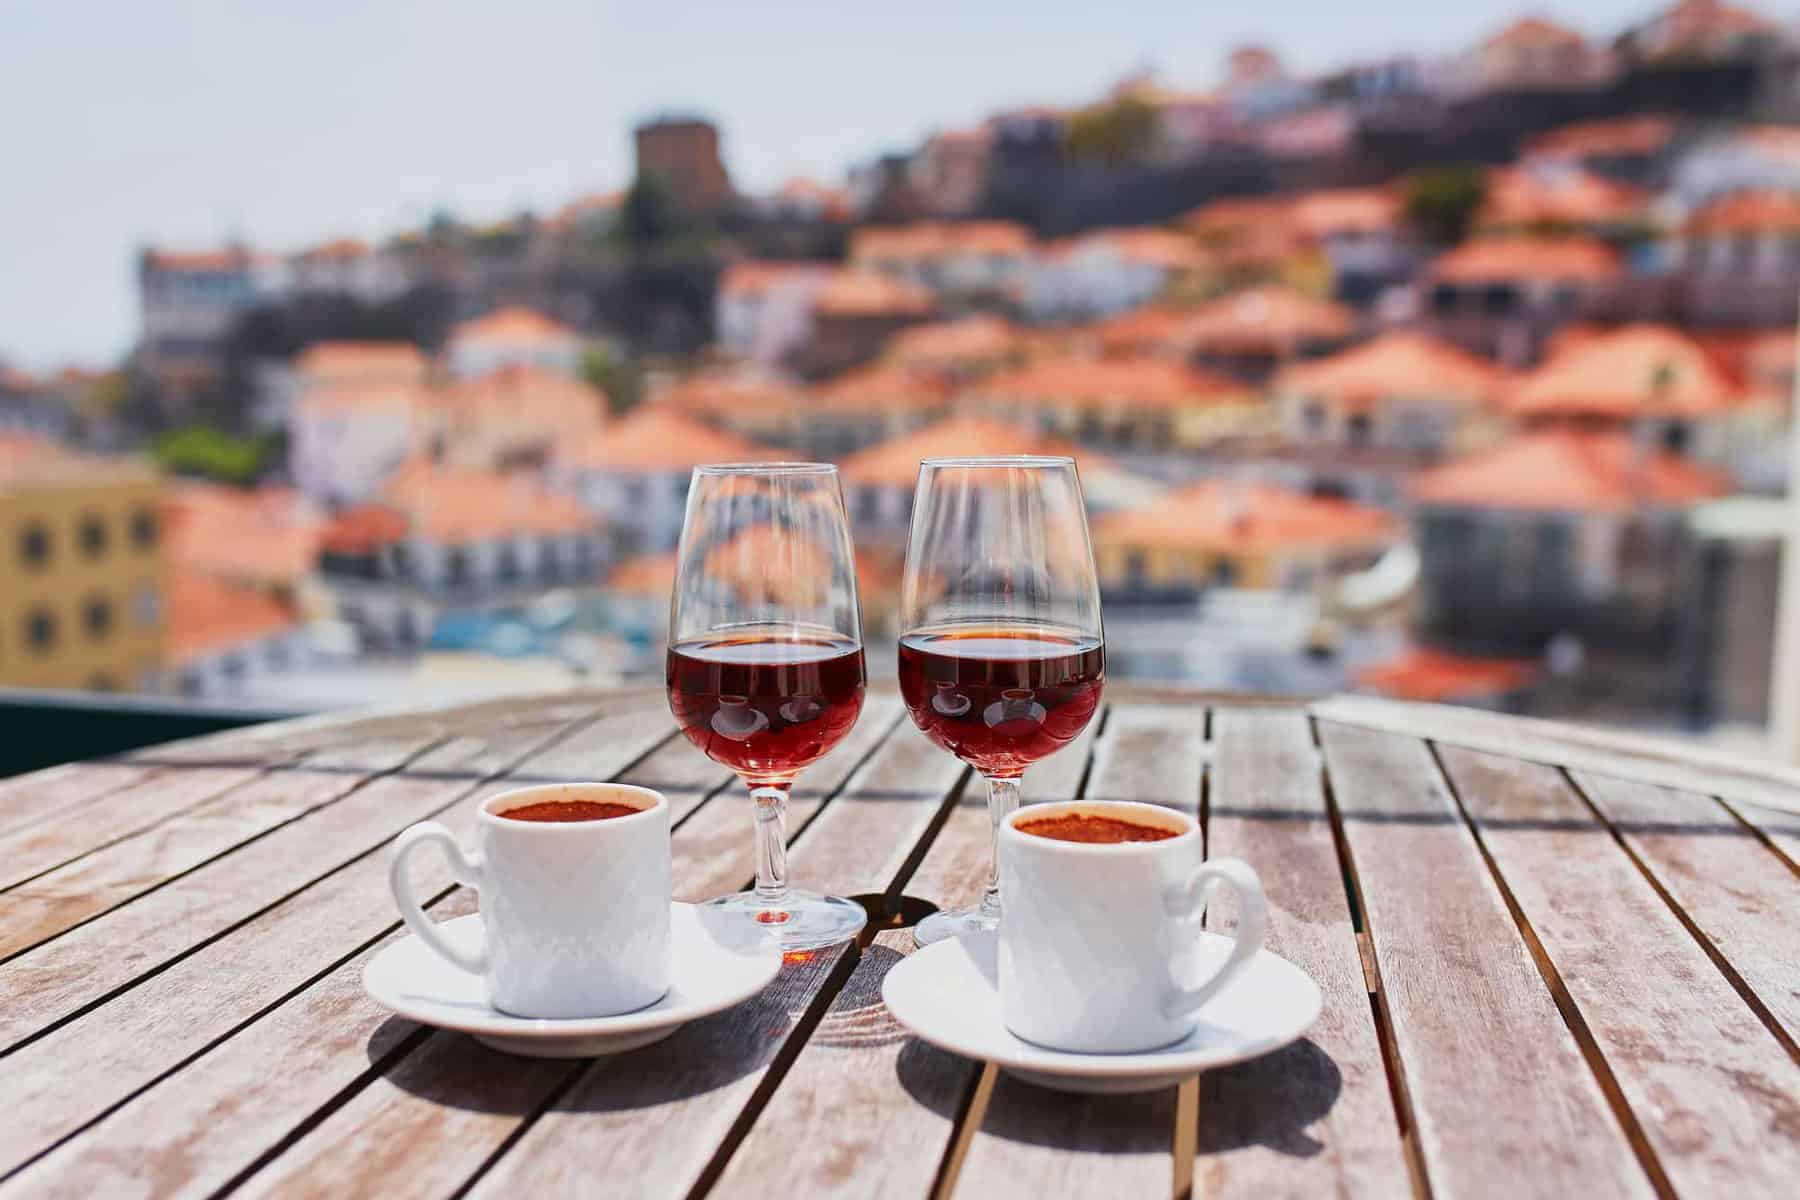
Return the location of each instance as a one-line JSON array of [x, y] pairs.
[[766, 706], [1000, 697]]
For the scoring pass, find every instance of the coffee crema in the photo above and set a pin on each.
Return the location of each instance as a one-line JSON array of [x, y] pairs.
[[1078, 827], [569, 810]]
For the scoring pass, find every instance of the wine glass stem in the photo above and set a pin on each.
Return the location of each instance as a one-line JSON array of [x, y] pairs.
[[1003, 798], [771, 842]]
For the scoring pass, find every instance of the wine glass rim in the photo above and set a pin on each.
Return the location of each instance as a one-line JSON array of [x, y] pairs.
[[765, 468], [1002, 460]]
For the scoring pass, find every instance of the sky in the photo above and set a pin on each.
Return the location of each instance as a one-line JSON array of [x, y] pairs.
[[188, 122]]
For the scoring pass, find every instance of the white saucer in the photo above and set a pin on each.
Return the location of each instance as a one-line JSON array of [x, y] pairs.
[[718, 962], [947, 994]]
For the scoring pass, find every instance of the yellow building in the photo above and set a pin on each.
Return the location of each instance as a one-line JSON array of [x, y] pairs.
[[80, 569]]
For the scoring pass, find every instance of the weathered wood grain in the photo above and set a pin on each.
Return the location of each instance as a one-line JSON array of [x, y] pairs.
[[49, 843], [77, 1071], [1781, 828], [1721, 876], [1504, 1100], [26, 799], [1316, 1118], [1666, 761], [1031, 1141], [877, 1105], [57, 978], [1714, 1092], [432, 1117]]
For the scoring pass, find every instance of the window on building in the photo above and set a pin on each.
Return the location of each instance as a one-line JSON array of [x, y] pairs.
[[1224, 572], [868, 504], [1358, 429], [146, 605], [97, 615], [507, 566], [456, 566], [93, 536], [40, 630], [143, 529], [34, 545], [1313, 418], [1676, 437], [634, 492]]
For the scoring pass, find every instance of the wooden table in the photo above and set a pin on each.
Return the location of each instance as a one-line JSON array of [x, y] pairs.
[[1555, 963]]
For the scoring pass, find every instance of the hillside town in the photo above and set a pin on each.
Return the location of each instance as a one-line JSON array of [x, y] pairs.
[[1462, 378]]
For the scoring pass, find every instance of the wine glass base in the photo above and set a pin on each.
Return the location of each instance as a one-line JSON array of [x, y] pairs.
[[803, 920], [941, 926]]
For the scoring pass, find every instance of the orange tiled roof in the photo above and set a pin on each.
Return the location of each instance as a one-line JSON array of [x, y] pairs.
[[1432, 675], [1345, 210], [895, 462], [1506, 259], [525, 395], [1746, 212], [833, 202], [1140, 330], [29, 458], [1163, 248], [266, 535], [207, 615], [363, 529], [453, 505], [881, 388], [1518, 197], [644, 575], [337, 250], [939, 239], [1696, 23], [12, 379], [1777, 141], [1104, 382], [1532, 33], [750, 277], [1617, 138], [1639, 370], [858, 293], [364, 396], [362, 358], [1236, 213], [731, 392], [660, 438], [231, 259], [963, 341], [1398, 363], [512, 325], [577, 210], [1565, 470], [1266, 318], [1222, 517]]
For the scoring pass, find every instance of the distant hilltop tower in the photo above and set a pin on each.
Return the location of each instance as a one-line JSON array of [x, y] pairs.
[[684, 153]]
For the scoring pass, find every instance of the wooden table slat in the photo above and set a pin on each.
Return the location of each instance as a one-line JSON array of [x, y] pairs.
[[76, 1072], [1716, 1095], [1495, 1079], [1722, 877], [28, 799], [1316, 1118]]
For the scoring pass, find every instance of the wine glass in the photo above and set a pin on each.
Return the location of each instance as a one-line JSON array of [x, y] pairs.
[[765, 667], [1002, 655]]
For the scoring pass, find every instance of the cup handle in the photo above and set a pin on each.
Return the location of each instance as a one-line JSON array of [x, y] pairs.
[[1187, 899], [466, 868]]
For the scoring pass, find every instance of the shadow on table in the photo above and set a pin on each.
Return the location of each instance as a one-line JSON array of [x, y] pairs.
[[1269, 1101]]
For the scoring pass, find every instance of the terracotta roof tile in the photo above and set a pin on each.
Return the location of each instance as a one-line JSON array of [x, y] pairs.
[[1519, 197], [1509, 259], [1532, 33], [529, 397], [1400, 363], [657, 438], [1434, 676], [455, 505], [731, 392], [962, 342], [895, 463], [1224, 517], [1746, 212], [265, 535], [207, 615], [1107, 382], [1139, 331], [935, 239], [1620, 137], [363, 529], [512, 325], [749, 277], [338, 250], [352, 359], [857, 293], [1269, 318], [1163, 248], [644, 575], [881, 387], [1640, 370], [1564, 470]]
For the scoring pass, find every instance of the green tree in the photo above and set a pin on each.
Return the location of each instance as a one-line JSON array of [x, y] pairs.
[[210, 453], [1115, 133], [615, 374], [1441, 202]]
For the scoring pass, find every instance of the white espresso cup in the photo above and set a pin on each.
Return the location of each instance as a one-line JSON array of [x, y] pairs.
[[1100, 947], [575, 913]]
